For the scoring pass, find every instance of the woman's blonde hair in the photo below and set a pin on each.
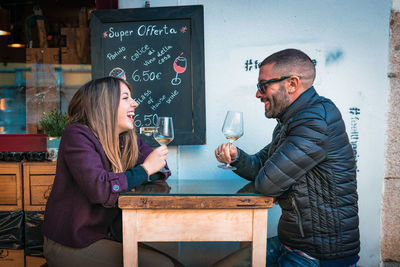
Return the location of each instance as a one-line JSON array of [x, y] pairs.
[[95, 105]]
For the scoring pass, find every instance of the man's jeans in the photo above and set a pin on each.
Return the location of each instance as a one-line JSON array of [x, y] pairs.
[[277, 255]]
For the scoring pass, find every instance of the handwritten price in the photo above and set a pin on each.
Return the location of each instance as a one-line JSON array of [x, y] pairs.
[[149, 119], [146, 76]]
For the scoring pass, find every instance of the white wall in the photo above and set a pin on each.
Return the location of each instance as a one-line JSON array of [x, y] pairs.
[[350, 41]]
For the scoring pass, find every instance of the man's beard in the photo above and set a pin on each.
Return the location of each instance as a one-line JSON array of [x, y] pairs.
[[277, 103]]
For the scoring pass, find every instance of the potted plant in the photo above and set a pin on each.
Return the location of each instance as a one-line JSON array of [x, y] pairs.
[[53, 125]]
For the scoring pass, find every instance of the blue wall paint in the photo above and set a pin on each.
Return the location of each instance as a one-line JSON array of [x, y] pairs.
[[333, 56]]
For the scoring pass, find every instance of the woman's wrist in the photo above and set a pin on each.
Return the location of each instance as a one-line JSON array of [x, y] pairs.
[[147, 172]]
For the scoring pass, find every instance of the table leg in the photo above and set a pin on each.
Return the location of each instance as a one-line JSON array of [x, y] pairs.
[[259, 242], [129, 233]]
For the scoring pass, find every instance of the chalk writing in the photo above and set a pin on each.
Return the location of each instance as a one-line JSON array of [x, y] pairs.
[[145, 76], [172, 96], [155, 57], [145, 120], [158, 103], [143, 96], [112, 56], [139, 52], [151, 51], [164, 50], [149, 61], [150, 30], [354, 134], [163, 59], [115, 34]]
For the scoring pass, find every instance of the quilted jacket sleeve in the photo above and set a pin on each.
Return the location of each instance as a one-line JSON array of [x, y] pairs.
[[248, 166], [301, 150]]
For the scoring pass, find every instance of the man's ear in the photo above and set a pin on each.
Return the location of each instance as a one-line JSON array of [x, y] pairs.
[[293, 84]]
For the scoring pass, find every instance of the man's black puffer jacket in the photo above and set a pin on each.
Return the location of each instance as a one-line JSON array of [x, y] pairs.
[[309, 167]]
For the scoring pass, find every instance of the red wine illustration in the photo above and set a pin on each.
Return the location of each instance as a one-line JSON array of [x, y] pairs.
[[180, 65]]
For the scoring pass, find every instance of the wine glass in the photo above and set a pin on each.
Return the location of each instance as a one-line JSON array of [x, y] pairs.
[[232, 130], [179, 65], [164, 133]]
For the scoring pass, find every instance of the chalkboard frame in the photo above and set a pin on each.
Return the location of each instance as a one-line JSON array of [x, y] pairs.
[[195, 13]]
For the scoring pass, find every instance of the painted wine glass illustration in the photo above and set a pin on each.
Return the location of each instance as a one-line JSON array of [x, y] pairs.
[[164, 133], [232, 130], [118, 73], [180, 65]]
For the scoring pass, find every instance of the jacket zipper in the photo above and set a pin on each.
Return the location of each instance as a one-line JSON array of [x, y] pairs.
[[298, 215]]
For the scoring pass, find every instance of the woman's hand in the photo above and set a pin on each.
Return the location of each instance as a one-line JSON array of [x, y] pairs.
[[155, 161], [225, 153]]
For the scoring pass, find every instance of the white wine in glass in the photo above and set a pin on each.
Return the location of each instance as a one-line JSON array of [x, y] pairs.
[[162, 140], [232, 130], [164, 133]]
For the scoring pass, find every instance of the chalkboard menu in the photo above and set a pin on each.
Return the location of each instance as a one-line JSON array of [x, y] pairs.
[[160, 52]]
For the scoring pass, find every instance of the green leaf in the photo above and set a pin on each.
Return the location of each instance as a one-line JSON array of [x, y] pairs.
[[54, 123]]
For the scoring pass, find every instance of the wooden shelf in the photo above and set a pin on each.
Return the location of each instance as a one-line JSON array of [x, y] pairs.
[[38, 181], [10, 186]]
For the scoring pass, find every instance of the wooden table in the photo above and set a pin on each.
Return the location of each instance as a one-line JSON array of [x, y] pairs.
[[187, 215]]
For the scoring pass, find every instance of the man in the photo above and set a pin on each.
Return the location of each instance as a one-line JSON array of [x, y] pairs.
[[309, 167]]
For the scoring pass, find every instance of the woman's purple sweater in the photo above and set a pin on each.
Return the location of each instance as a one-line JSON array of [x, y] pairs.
[[83, 201]]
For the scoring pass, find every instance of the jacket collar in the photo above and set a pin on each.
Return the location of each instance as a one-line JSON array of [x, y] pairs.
[[303, 100]]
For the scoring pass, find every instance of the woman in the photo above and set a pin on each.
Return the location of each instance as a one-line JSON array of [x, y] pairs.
[[99, 157]]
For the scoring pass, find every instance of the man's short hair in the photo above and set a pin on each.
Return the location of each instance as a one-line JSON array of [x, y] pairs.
[[293, 61]]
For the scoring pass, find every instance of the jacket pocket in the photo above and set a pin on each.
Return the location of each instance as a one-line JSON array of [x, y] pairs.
[[298, 216]]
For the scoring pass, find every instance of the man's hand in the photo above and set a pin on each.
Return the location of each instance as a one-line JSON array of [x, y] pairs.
[[226, 153]]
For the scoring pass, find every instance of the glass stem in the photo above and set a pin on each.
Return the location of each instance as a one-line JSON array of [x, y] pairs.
[[229, 146]]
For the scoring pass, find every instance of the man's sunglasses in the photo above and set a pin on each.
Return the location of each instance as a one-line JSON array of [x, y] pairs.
[[263, 84]]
